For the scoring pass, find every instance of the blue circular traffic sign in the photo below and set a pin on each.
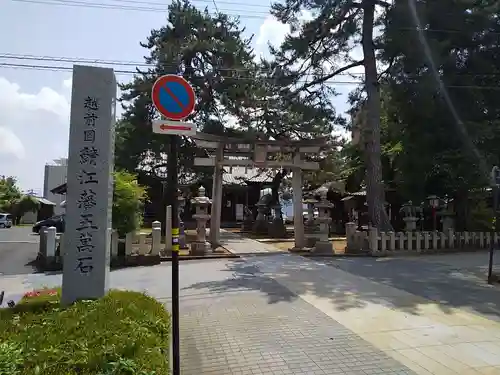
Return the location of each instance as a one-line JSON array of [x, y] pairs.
[[173, 97]]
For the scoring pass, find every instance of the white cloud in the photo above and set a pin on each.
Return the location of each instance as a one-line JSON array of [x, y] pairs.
[[10, 144], [33, 131], [271, 31], [274, 32], [67, 83]]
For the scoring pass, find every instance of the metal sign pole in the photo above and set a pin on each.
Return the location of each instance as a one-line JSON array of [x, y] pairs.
[[495, 182], [172, 196], [175, 99]]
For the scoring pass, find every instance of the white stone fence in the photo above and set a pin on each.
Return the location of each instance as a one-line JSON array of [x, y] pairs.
[[387, 243], [135, 243]]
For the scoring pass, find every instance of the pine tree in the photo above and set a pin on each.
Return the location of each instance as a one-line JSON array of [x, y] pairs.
[[320, 49], [210, 52]]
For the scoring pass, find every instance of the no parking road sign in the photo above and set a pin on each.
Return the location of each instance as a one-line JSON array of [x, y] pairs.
[[173, 97]]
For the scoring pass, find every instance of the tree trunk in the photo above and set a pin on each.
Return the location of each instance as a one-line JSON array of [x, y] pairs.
[[374, 187]]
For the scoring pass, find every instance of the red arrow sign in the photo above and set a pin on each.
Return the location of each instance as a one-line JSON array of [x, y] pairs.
[[174, 127]]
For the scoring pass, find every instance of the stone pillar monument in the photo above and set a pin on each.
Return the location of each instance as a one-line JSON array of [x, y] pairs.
[[87, 238], [201, 203]]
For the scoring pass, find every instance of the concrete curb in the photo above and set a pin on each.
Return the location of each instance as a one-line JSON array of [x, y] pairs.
[[55, 263], [201, 257]]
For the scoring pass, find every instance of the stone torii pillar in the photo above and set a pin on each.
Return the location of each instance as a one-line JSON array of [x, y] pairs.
[[252, 153], [298, 219], [215, 220]]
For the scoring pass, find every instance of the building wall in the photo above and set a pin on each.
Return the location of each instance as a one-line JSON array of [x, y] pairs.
[[29, 218], [55, 175]]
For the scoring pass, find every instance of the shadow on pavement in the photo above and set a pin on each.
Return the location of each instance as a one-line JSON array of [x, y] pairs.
[[434, 282]]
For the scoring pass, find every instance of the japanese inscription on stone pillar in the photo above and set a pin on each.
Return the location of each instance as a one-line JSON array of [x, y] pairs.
[[89, 184]]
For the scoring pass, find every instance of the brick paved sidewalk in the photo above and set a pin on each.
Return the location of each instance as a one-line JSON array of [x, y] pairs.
[[240, 245], [243, 333]]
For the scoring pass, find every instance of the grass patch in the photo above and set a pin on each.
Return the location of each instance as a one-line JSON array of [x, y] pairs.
[[121, 333]]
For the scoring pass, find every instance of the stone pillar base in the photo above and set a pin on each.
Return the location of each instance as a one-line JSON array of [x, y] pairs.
[[310, 240], [200, 248], [277, 229], [260, 227], [247, 225], [323, 247]]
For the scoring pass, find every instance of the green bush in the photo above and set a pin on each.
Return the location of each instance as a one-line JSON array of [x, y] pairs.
[[121, 333], [128, 203], [480, 218]]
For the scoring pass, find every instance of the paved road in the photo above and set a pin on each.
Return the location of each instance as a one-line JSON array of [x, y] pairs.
[[454, 280], [18, 248], [230, 327]]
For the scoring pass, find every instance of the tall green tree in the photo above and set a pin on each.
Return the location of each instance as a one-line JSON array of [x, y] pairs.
[[207, 50], [320, 49], [444, 91], [13, 201]]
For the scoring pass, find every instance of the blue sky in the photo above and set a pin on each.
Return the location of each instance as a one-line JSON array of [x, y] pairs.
[[34, 104]]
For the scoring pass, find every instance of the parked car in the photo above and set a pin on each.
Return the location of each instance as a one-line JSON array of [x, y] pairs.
[[54, 221], [5, 220]]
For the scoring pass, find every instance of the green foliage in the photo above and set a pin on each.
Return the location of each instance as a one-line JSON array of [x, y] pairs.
[[121, 333], [9, 193], [481, 217], [13, 201], [11, 358], [128, 203], [210, 52], [26, 203], [443, 104]]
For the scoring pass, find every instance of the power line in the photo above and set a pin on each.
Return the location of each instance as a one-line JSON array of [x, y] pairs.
[[259, 6], [115, 63], [129, 72], [250, 14], [9, 56], [84, 4]]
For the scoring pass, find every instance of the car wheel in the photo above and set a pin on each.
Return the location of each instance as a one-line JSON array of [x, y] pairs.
[[2, 225]]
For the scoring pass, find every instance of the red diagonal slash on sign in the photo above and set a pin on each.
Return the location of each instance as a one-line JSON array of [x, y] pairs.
[[172, 95], [174, 127]]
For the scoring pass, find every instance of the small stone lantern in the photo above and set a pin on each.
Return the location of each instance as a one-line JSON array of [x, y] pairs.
[[323, 245], [409, 212], [310, 223], [201, 203]]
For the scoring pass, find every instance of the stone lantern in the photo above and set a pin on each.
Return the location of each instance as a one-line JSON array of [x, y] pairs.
[[310, 224], [447, 215], [261, 224], [201, 203], [323, 245], [434, 204], [409, 212]]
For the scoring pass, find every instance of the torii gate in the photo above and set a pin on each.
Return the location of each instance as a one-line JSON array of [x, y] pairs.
[[255, 153]]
